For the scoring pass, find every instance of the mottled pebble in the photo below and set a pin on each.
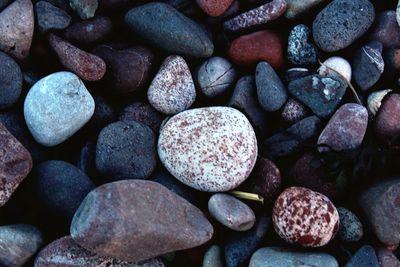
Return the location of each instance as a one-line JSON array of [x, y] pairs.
[[351, 229], [301, 50], [293, 111]]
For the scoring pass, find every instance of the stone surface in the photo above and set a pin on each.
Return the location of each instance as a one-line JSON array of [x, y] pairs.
[[212, 258], [365, 256], [143, 113], [172, 89], [337, 67], [84, 8], [103, 113], [10, 81], [341, 23], [296, 8], [214, 8], [163, 222], [387, 258], [351, 229], [210, 149], [293, 111], [375, 100], [56, 107], [304, 217], [295, 73], [301, 50], [387, 121], [89, 31], [51, 17], [386, 29]]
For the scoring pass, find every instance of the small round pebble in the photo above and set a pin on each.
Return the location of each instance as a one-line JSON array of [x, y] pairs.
[[212, 258], [351, 229], [293, 111], [10, 81], [334, 65], [301, 50]]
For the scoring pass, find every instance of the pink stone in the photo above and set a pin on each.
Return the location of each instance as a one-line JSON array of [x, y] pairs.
[[214, 8]]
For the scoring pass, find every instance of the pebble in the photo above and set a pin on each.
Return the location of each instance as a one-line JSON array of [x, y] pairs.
[[284, 257], [19, 242], [61, 187], [386, 29], [297, 8], [15, 164], [375, 100], [304, 217], [166, 28], [103, 113], [257, 16], [210, 149], [172, 89], [164, 222], [16, 28], [143, 113], [84, 8], [345, 130], [334, 66], [271, 92], [365, 257], [387, 121], [89, 31], [322, 94], [87, 66], [351, 229], [215, 76], [126, 150], [231, 212], [46, 105], [293, 111], [248, 50], [341, 23], [301, 50], [10, 81], [214, 8], [368, 65], [50, 17], [387, 258], [212, 258]]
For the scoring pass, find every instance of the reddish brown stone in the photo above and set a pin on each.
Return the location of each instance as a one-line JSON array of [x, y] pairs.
[[214, 8], [248, 50], [143, 113], [387, 122], [387, 258]]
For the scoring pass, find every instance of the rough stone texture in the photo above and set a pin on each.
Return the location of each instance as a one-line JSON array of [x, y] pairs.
[[365, 257], [304, 217], [85, 8], [375, 100], [212, 258], [387, 258], [51, 17], [16, 28], [210, 149], [172, 89], [164, 27], [56, 107], [214, 8], [334, 66], [351, 229], [297, 8], [341, 23], [89, 31], [345, 130], [293, 111], [387, 121], [163, 222], [87, 66], [257, 16], [143, 113], [10, 81], [301, 50], [386, 30]]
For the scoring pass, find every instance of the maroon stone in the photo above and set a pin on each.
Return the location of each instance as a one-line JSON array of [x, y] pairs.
[[143, 113], [294, 111], [387, 258], [89, 31], [387, 121], [386, 29], [214, 8]]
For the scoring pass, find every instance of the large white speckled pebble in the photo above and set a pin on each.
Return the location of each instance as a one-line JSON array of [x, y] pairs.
[[210, 149]]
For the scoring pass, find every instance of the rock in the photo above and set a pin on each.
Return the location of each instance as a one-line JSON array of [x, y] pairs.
[[51, 17], [215, 76], [270, 90], [164, 222], [345, 130], [89, 31], [61, 187], [10, 81], [87, 66], [365, 256], [388, 117], [212, 258], [284, 257], [301, 50], [387, 258], [210, 149], [293, 111], [249, 49], [322, 94], [295, 73], [231, 212], [84, 8], [56, 107], [257, 16], [375, 100], [386, 29], [19, 242], [297, 8], [341, 23], [4, 3], [16, 28], [143, 113], [304, 217], [351, 229], [172, 89], [214, 8], [368, 65], [103, 113], [15, 164], [337, 67], [164, 27], [126, 150]]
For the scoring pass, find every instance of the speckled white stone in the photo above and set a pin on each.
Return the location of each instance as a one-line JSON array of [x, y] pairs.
[[338, 64], [210, 149], [56, 107]]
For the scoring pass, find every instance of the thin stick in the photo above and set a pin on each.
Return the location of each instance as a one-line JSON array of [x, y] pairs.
[[248, 196]]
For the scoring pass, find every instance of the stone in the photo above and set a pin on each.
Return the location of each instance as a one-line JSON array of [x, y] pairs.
[[84, 8], [126, 150], [89, 31], [87, 66], [322, 94], [351, 229], [103, 113], [284, 257], [215, 76], [301, 50], [375, 100], [210, 149], [388, 118], [365, 256], [247, 50], [341, 23], [143, 113], [214, 8], [293, 111], [164, 222], [297, 8], [386, 30], [304, 217], [19, 242], [257, 16], [10, 81], [166, 28], [56, 107], [16, 28], [368, 65], [172, 89], [336, 66], [231, 212], [51, 17], [15, 164], [294, 74], [345, 130], [387, 258], [212, 258]]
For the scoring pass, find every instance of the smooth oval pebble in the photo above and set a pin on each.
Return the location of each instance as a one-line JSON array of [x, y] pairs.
[[210, 149], [214, 8], [334, 65], [89, 31], [10, 81], [351, 229]]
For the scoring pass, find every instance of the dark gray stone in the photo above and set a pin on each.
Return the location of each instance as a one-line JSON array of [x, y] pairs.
[[51, 17], [364, 257], [350, 229], [301, 50], [10, 81]]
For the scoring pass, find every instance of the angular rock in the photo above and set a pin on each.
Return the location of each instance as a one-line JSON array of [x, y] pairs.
[[85, 8], [301, 50], [143, 113], [387, 258], [293, 111], [386, 29], [51, 17], [351, 229], [89, 31], [214, 8], [387, 121], [10, 81], [297, 8], [337, 67], [365, 256]]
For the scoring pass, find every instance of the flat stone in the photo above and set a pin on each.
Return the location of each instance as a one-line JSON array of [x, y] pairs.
[[214, 8], [51, 17], [297, 8], [10, 81], [89, 31], [386, 29], [212, 258], [163, 222], [301, 50], [365, 256], [387, 121], [351, 229], [387, 258], [143, 113], [85, 8], [293, 111]]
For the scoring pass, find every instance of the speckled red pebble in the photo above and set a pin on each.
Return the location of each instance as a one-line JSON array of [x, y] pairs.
[[304, 217], [214, 8], [248, 50]]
